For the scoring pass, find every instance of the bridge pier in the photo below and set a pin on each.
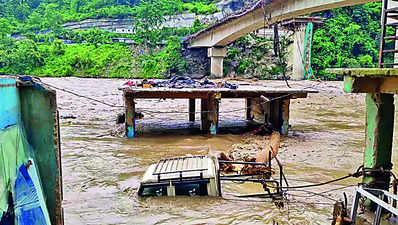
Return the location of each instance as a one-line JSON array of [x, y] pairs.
[[380, 85], [296, 53], [216, 55], [379, 136]]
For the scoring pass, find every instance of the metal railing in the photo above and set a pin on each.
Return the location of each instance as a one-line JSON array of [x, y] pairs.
[[376, 196]]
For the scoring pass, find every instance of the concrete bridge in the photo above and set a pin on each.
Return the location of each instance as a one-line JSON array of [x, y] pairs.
[[262, 13]]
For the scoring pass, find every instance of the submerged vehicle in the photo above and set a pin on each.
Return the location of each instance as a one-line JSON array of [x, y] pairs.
[[30, 159], [191, 175], [201, 176]]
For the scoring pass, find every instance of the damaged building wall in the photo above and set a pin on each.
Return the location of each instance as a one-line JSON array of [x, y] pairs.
[[40, 119], [29, 132]]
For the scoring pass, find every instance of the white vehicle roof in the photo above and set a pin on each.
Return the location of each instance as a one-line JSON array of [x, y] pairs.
[[182, 167]]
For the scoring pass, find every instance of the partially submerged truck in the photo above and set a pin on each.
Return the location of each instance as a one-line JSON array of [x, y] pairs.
[[30, 157], [201, 176]]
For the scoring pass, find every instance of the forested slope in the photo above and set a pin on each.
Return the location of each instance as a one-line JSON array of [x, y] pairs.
[[349, 38]]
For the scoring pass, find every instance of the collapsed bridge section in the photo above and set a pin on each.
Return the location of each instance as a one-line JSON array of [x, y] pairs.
[[272, 103]]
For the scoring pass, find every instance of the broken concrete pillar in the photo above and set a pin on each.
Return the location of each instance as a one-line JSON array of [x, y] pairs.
[[216, 61], [210, 114], [192, 110], [296, 52], [248, 109], [257, 111], [130, 116], [379, 136], [285, 116], [214, 101], [204, 116]]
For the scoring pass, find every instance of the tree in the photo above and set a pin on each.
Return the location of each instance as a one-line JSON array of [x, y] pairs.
[[5, 27], [148, 18], [349, 38]]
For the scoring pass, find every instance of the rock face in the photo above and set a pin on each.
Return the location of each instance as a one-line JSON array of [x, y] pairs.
[[231, 6], [198, 62], [253, 56], [108, 24], [246, 63], [226, 7], [181, 20]]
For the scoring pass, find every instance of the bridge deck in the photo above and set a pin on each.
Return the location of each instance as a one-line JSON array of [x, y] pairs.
[[243, 91], [274, 108]]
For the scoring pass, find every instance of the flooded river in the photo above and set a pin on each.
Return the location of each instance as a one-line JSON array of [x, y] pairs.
[[101, 172]]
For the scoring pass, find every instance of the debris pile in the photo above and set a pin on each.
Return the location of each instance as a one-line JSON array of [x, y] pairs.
[[180, 82], [251, 151]]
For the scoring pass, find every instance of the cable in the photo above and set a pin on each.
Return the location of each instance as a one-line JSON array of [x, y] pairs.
[[312, 194], [307, 181], [81, 96], [147, 110], [319, 184], [310, 203], [279, 54], [295, 201], [359, 172]]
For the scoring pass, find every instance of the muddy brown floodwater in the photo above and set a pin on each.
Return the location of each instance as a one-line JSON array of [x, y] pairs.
[[101, 172]]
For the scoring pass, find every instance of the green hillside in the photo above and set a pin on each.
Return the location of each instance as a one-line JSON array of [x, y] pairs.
[[94, 55], [349, 38]]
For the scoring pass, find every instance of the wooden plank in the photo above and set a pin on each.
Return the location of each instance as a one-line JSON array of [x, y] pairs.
[[168, 94], [241, 92], [225, 94], [192, 109], [242, 88]]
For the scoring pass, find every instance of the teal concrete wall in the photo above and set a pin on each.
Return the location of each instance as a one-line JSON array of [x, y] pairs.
[[9, 103], [38, 115]]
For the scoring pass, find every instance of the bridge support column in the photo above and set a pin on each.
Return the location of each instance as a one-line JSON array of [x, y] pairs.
[[379, 137], [210, 114], [296, 53], [216, 61], [130, 116], [192, 110]]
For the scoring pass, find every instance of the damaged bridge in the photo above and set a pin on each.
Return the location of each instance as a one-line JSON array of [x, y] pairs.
[[262, 13]]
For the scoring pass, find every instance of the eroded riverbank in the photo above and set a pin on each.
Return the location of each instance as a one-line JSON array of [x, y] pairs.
[[101, 172]]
